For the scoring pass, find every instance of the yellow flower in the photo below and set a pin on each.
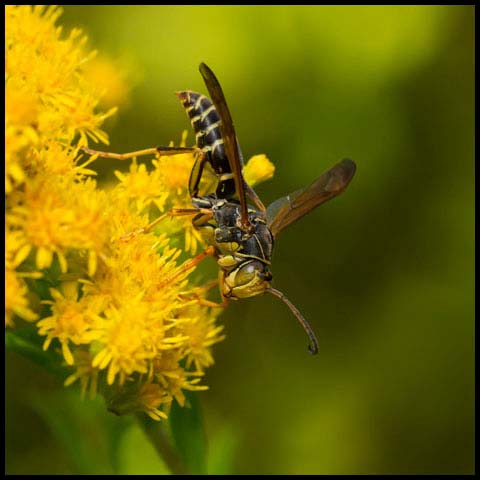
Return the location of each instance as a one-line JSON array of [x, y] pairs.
[[143, 186], [72, 321], [112, 82], [138, 324], [62, 215], [47, 97], [85, 372], [258, 169], [202, 333], [128, 317], [20, 112], [57, 161], [174, 379], [175, 172], [16, 302], [125, 336], [151, 396], [17, 248]]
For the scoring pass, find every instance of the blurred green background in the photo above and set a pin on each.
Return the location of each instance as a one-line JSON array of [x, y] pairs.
[[384, 273]]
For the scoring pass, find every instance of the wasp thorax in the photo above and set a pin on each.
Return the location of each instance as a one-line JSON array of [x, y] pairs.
[[247, 280]]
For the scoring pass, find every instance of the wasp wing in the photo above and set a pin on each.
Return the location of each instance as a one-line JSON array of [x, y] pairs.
[[289, 209], [228, 135]]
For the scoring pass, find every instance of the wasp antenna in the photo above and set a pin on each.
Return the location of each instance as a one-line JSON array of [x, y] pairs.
[[313, 348]]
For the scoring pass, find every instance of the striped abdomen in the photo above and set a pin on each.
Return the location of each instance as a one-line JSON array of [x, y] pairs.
[[206, 125]]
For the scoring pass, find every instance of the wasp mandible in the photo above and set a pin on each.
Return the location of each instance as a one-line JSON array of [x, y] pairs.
[[240, 237]]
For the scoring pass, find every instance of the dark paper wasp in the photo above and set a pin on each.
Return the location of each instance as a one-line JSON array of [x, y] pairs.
[[240, 237]]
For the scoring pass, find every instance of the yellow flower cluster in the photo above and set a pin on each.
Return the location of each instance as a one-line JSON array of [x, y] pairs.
[[118, 309], [122, 307]]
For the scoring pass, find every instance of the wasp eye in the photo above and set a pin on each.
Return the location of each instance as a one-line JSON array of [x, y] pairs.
[[267, 276], [247, 273]]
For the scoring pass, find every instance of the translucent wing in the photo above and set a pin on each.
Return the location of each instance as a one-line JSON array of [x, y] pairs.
[[229, 137], [287, 210]]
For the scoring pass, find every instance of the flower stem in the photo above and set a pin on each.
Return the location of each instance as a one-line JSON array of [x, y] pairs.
[[159, 440]]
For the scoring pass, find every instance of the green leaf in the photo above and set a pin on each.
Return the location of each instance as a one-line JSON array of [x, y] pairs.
[[186, 425]]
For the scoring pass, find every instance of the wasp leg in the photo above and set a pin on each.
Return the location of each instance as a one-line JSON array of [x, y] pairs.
[[190, 264], [208, 303], [205, 288], [146, 151], [173, 212]]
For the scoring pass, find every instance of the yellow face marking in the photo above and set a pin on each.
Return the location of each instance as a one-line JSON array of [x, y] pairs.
[[233, 246], [243, 283], [227, 261]]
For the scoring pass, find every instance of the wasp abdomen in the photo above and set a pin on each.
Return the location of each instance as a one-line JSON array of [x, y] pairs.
[[206, 125]]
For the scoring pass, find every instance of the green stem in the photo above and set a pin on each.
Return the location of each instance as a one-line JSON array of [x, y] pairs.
[[159, 440]]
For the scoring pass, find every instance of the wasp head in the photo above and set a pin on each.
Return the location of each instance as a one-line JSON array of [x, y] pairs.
[[250, 278]]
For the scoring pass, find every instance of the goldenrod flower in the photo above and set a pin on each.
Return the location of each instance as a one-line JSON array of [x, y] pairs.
[[85, 372], [16, 302], [175, 171], [123, 309], [151, 396], [73, 321], [143, 186], [16, 291], [112, 81], [202, 333], [258, 169], [46, 94], [174, 379], [60, 215]]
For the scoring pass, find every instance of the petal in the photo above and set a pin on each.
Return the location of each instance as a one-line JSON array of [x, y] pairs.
[[21, 255], [92, 263], [67, 354], [44, 258], [62, 261]]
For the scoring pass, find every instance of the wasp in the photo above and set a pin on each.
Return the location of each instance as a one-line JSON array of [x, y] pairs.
[[241, 237]]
